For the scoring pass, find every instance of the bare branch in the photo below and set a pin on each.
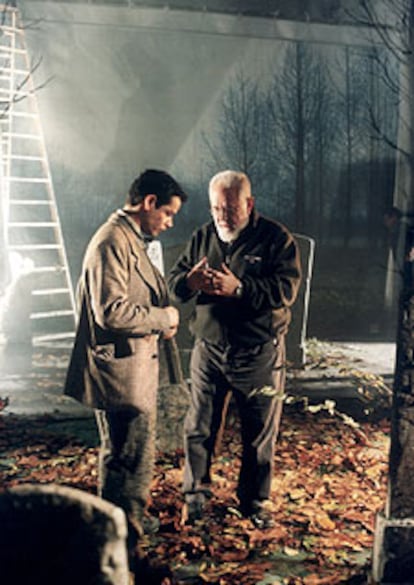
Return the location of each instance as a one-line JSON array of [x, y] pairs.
[[380, 135], [15, 97], [389, 35]]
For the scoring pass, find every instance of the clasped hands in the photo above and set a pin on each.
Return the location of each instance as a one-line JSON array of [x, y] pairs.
[[212, 282]]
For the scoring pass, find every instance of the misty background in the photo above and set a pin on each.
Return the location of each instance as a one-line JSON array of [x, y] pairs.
[[306, 104]]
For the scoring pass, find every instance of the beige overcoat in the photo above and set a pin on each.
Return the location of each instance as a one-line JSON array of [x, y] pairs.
[[121, 294]]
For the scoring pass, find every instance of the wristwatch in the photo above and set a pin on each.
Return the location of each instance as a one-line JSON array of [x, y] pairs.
[[239, 291]]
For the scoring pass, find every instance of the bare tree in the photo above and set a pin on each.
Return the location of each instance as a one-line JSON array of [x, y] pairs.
[[299, 94], [354, 133], [323, 152], [238, 136], [299, 137], [382, 109]]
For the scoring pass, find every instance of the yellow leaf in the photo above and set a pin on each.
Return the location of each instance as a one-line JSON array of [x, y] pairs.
[[297, 494], [290, 552], [323, 521]]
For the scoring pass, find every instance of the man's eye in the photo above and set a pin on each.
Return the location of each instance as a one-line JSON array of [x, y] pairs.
[[224, 209]]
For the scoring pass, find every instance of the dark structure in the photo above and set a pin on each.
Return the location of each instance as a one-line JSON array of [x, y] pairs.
[[327, 11], [83, 540]]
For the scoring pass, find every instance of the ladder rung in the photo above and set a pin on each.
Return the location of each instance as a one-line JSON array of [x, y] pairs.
[[9, 70], [51, 314], [9, 50], [24, 115], [54, 336], [27, 180], [18, 135], [25, 157], [35, 247], [6, 78], [50, 291], [12, 89], [43, 269], [30, 202], [12, 93], [9, 29], [32, 224]]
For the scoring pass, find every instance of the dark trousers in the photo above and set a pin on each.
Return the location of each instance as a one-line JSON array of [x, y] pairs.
[[256, 377], [126, 460]]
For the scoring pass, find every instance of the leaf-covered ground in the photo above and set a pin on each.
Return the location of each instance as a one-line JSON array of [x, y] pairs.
[[328, 485]]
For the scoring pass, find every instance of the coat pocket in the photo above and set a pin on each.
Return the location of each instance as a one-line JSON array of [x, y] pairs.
[[129, 381], [103, 353]]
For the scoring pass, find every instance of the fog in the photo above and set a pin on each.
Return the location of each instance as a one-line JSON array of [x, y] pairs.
[[124, 88]]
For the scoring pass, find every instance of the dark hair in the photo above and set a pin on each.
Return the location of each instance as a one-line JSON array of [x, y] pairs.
[[154, 182]]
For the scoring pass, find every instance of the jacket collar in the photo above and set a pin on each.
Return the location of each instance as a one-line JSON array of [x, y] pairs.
[[133, 224], [143, 264]]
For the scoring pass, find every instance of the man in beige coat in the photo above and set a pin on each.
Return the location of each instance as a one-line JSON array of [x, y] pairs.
[[124, 310]]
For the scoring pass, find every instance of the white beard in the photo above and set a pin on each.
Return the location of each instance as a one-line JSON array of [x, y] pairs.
[[227, 235]]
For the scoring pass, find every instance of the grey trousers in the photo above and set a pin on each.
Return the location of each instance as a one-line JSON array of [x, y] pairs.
[[256, 376], [126, 460]]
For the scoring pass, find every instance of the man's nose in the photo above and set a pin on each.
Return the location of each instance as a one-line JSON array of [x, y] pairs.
[[222, 212]]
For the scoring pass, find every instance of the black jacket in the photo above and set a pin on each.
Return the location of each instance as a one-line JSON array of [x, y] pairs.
[[265, 258]]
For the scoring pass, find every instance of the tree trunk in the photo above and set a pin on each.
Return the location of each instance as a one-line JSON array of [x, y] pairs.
[[348, 183], [402, 436], [394, 539], [300, 145]]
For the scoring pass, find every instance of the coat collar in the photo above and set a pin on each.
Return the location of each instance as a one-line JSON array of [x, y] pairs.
[[128, 219], [138, 243]]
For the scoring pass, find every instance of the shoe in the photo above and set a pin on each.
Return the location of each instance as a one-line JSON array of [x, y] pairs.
[[259, 516], [137, 529], [262, 519]]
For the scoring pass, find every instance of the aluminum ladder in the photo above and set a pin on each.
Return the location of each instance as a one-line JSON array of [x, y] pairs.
[[33, 237]]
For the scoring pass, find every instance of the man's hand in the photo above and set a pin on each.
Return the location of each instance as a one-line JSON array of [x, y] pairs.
[[200, 277], [169, 333], [174, 318], [224, 282]]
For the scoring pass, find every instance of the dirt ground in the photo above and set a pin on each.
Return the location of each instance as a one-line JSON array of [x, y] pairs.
[[329, 481]]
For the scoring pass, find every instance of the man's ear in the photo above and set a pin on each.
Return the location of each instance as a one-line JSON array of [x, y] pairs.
[[150, 202], [250, 203]]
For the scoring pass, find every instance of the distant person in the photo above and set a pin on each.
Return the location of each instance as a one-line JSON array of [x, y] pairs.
[[124, 310], [392, 223], [399, 248], [244, 272]]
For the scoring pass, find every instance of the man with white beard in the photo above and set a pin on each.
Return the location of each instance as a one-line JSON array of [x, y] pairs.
[[244, 272]]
